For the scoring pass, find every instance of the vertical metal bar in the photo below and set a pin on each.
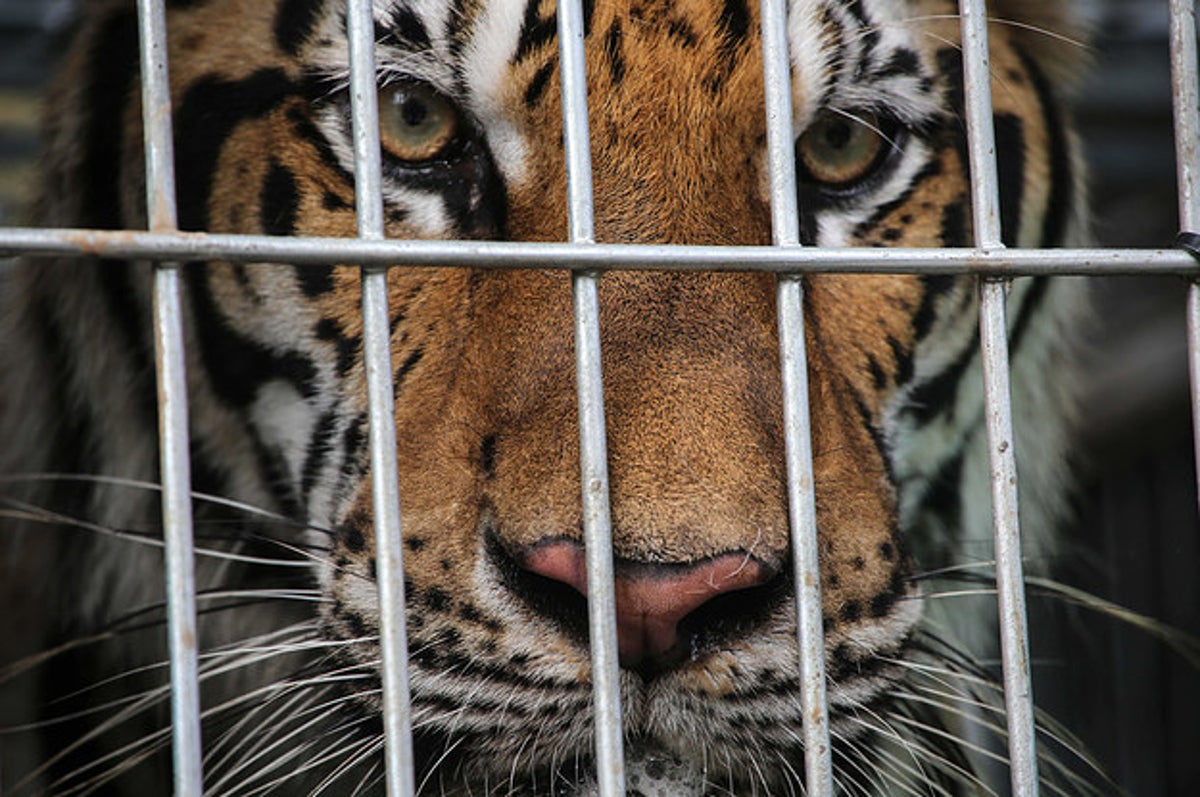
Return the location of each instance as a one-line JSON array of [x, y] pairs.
[[993, 331], [593, 448], [1187, 165], [802, 513], [385, 490], [170, 367]]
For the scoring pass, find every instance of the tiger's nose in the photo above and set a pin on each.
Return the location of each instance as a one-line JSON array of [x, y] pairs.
[[653, 599]]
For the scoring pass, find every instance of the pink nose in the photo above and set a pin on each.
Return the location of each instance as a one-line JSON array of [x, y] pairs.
[[651, 598]]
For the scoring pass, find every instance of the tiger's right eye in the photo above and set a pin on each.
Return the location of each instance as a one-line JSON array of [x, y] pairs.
[[841, 150], [416, 122]]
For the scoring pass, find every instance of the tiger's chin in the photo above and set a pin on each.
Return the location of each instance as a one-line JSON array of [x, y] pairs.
[[679, 740]]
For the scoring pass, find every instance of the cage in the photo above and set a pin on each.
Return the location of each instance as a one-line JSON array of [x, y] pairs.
[[1152, 756]]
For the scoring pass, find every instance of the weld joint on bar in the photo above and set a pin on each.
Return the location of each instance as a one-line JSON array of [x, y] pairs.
[[1189, 242]]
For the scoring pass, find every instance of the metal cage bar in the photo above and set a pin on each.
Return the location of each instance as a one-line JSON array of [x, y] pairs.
[[802, 507], [593, 447], [1187, 164], [174, 447], [993, 334], [309, 251], [400, 775]]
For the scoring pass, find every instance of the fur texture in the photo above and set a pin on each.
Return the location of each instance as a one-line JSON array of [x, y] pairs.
[[485, 397]]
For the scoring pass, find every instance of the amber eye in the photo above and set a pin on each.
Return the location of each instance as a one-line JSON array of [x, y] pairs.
[[840, 150], [416, 123]]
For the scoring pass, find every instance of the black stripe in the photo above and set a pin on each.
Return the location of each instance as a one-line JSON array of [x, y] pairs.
[[931, 169], [353, 442], [903, 358], [113, 68], [936, 396], [294, 23], [943, 495], [1010, 162], [210, 111], [877, 438], [867, 35], [536, 31], [537, 86], [273, 469], [904, 62], [410, 362], [280, 200], [950, 66], [935, 287], [237, 366], [612, 51], [304, 129], [318, 450], [955, 231], [1033, 298], [1062, 179], [410, 30], [347, 345], [682, 32], [734, 25], [314, 281], [878, 377], [458, 34]]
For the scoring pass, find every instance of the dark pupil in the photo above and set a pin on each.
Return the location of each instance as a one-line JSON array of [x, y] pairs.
[[837, 134], [414, 112]]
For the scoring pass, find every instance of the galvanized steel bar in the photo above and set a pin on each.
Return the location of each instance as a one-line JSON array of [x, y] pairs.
[[175, 471], [1187, 111], [1187, 166], [156, 117], [300, 251], [802, 512], [993, 332], [171, 370], [377, 354], [593, 448], [985, 192]]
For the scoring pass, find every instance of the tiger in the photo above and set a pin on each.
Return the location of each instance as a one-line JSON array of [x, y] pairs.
[[470, 124]]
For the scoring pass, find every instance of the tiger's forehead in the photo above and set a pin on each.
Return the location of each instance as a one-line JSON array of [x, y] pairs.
[[498, 58]]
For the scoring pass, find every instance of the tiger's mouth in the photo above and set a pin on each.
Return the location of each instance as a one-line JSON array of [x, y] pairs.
[[650, 771]]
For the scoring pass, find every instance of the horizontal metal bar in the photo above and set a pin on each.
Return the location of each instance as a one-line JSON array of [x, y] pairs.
[[495, 254]]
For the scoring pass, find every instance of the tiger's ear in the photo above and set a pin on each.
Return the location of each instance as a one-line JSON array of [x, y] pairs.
[[1054, 33]]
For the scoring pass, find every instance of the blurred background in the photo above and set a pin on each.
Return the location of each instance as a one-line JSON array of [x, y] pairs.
[[1137, 540]]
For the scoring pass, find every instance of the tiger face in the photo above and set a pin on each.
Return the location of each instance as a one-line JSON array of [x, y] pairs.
[[470, 124]]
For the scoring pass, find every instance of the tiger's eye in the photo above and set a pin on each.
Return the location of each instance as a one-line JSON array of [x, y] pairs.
[[416, 123], [840, 150]]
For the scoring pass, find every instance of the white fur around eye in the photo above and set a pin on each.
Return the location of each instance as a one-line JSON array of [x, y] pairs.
[[485, 66]]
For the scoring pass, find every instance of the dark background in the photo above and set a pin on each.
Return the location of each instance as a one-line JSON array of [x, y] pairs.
[[1137, 540]]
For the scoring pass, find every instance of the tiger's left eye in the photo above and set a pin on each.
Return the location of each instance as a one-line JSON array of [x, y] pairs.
[[839, 151], [416, 123]]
